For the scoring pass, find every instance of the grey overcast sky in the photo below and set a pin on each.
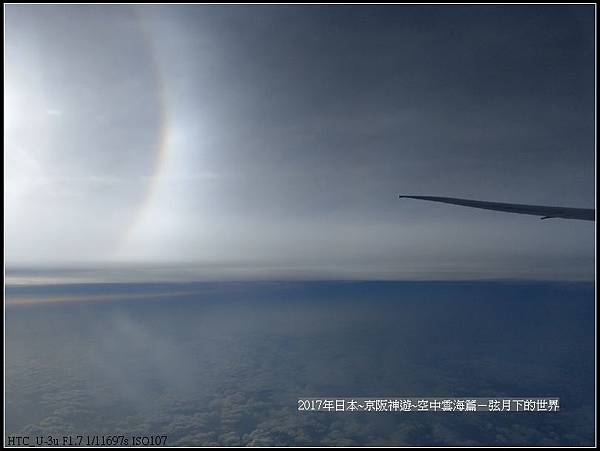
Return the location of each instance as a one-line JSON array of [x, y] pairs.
[[279, 137]]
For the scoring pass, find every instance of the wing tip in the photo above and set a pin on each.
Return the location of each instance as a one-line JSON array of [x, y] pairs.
[[407, 196]]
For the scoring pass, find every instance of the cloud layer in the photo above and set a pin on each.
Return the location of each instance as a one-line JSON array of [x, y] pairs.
[[226, 365]]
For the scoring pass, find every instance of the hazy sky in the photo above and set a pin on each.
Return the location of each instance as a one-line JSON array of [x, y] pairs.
[[279, 137]]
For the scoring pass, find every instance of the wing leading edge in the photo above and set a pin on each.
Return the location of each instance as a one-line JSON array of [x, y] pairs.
[[585, 214]]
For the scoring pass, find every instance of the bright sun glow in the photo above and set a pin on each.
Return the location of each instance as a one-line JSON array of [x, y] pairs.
[[27, 133]]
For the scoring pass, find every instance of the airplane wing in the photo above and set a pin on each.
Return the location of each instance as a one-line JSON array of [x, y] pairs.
[[586, 214]]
